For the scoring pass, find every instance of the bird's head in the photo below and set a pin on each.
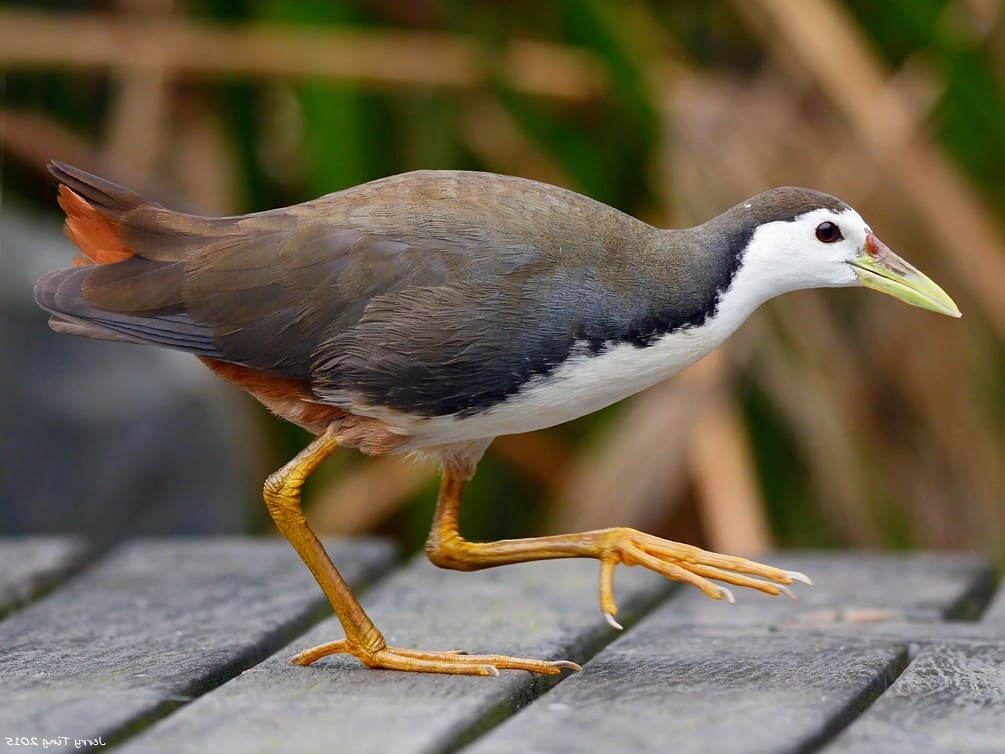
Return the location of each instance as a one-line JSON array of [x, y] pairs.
[[801, 238]]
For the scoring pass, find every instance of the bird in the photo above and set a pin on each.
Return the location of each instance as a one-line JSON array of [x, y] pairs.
[[429, 312]]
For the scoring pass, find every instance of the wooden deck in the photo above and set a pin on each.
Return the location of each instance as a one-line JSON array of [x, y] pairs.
[[180, 646]]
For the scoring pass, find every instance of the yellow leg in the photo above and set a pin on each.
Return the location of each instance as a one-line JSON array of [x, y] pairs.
[[680, 562], [362, 638]]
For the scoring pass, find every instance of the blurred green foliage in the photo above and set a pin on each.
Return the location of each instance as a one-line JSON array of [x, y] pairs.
[[605, 149]]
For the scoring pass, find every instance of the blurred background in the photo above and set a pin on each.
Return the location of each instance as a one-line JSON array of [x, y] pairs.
[[832, 419]]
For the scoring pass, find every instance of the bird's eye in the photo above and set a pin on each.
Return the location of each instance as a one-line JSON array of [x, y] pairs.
[[828, 232]]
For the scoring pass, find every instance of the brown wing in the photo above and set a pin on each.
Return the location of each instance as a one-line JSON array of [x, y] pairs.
[[260, 290]]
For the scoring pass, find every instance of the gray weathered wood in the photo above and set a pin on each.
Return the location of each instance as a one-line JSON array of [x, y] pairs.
[[664, 689], [158, 624], [152, 625], [30, 565], [956, 633], [857, 588], [543, 610], [951, 700], [697, 675]]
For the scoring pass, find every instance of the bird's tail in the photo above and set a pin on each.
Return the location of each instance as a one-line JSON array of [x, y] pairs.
[[94, 211], [127, 281]]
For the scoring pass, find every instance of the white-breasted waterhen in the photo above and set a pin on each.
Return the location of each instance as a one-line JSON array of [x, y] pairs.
[[433, 311]]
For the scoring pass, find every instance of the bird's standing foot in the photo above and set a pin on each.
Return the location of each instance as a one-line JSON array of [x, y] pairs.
[[456, 662], [363, 639], [686, 563]]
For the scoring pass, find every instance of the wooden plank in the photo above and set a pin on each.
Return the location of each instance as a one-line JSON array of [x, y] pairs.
[[698, 675], [950, 700], [30, 565], [916, 598], [725, 690], [544, 610], [857, 588], [918, 635], [153, 624]]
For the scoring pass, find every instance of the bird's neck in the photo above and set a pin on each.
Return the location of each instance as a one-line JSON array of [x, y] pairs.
[[692, 276]]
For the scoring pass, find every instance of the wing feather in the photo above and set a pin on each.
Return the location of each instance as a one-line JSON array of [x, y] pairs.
[[427, 292]]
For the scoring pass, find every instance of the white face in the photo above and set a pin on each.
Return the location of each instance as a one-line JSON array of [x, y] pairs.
[[823, 249], [813, 251]]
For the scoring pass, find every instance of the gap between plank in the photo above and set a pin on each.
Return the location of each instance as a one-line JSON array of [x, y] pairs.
[[858, 706], [278, 639], [632, 611], [972, 604]]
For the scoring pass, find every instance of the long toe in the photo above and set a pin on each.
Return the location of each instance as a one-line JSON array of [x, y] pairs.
[[455, 662], [393, 658], [690, 565]]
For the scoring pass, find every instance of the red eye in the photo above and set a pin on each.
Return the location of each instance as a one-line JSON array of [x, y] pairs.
[[828, 232]]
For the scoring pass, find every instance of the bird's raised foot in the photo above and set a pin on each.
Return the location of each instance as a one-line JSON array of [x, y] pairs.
[[688, 564], [455, 662]]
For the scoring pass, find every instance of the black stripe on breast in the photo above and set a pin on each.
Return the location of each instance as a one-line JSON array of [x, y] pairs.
[[462, 350]]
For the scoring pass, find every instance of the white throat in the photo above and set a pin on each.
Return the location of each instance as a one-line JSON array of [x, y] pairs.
[[784, 256]]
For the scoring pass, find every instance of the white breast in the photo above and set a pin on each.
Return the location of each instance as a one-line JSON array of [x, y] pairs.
[[581, 385], [584, 383]]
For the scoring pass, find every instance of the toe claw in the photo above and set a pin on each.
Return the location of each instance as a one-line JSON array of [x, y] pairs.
[[688, 564], [800, 577], [567, 665], [491, 670], [786, 591]]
